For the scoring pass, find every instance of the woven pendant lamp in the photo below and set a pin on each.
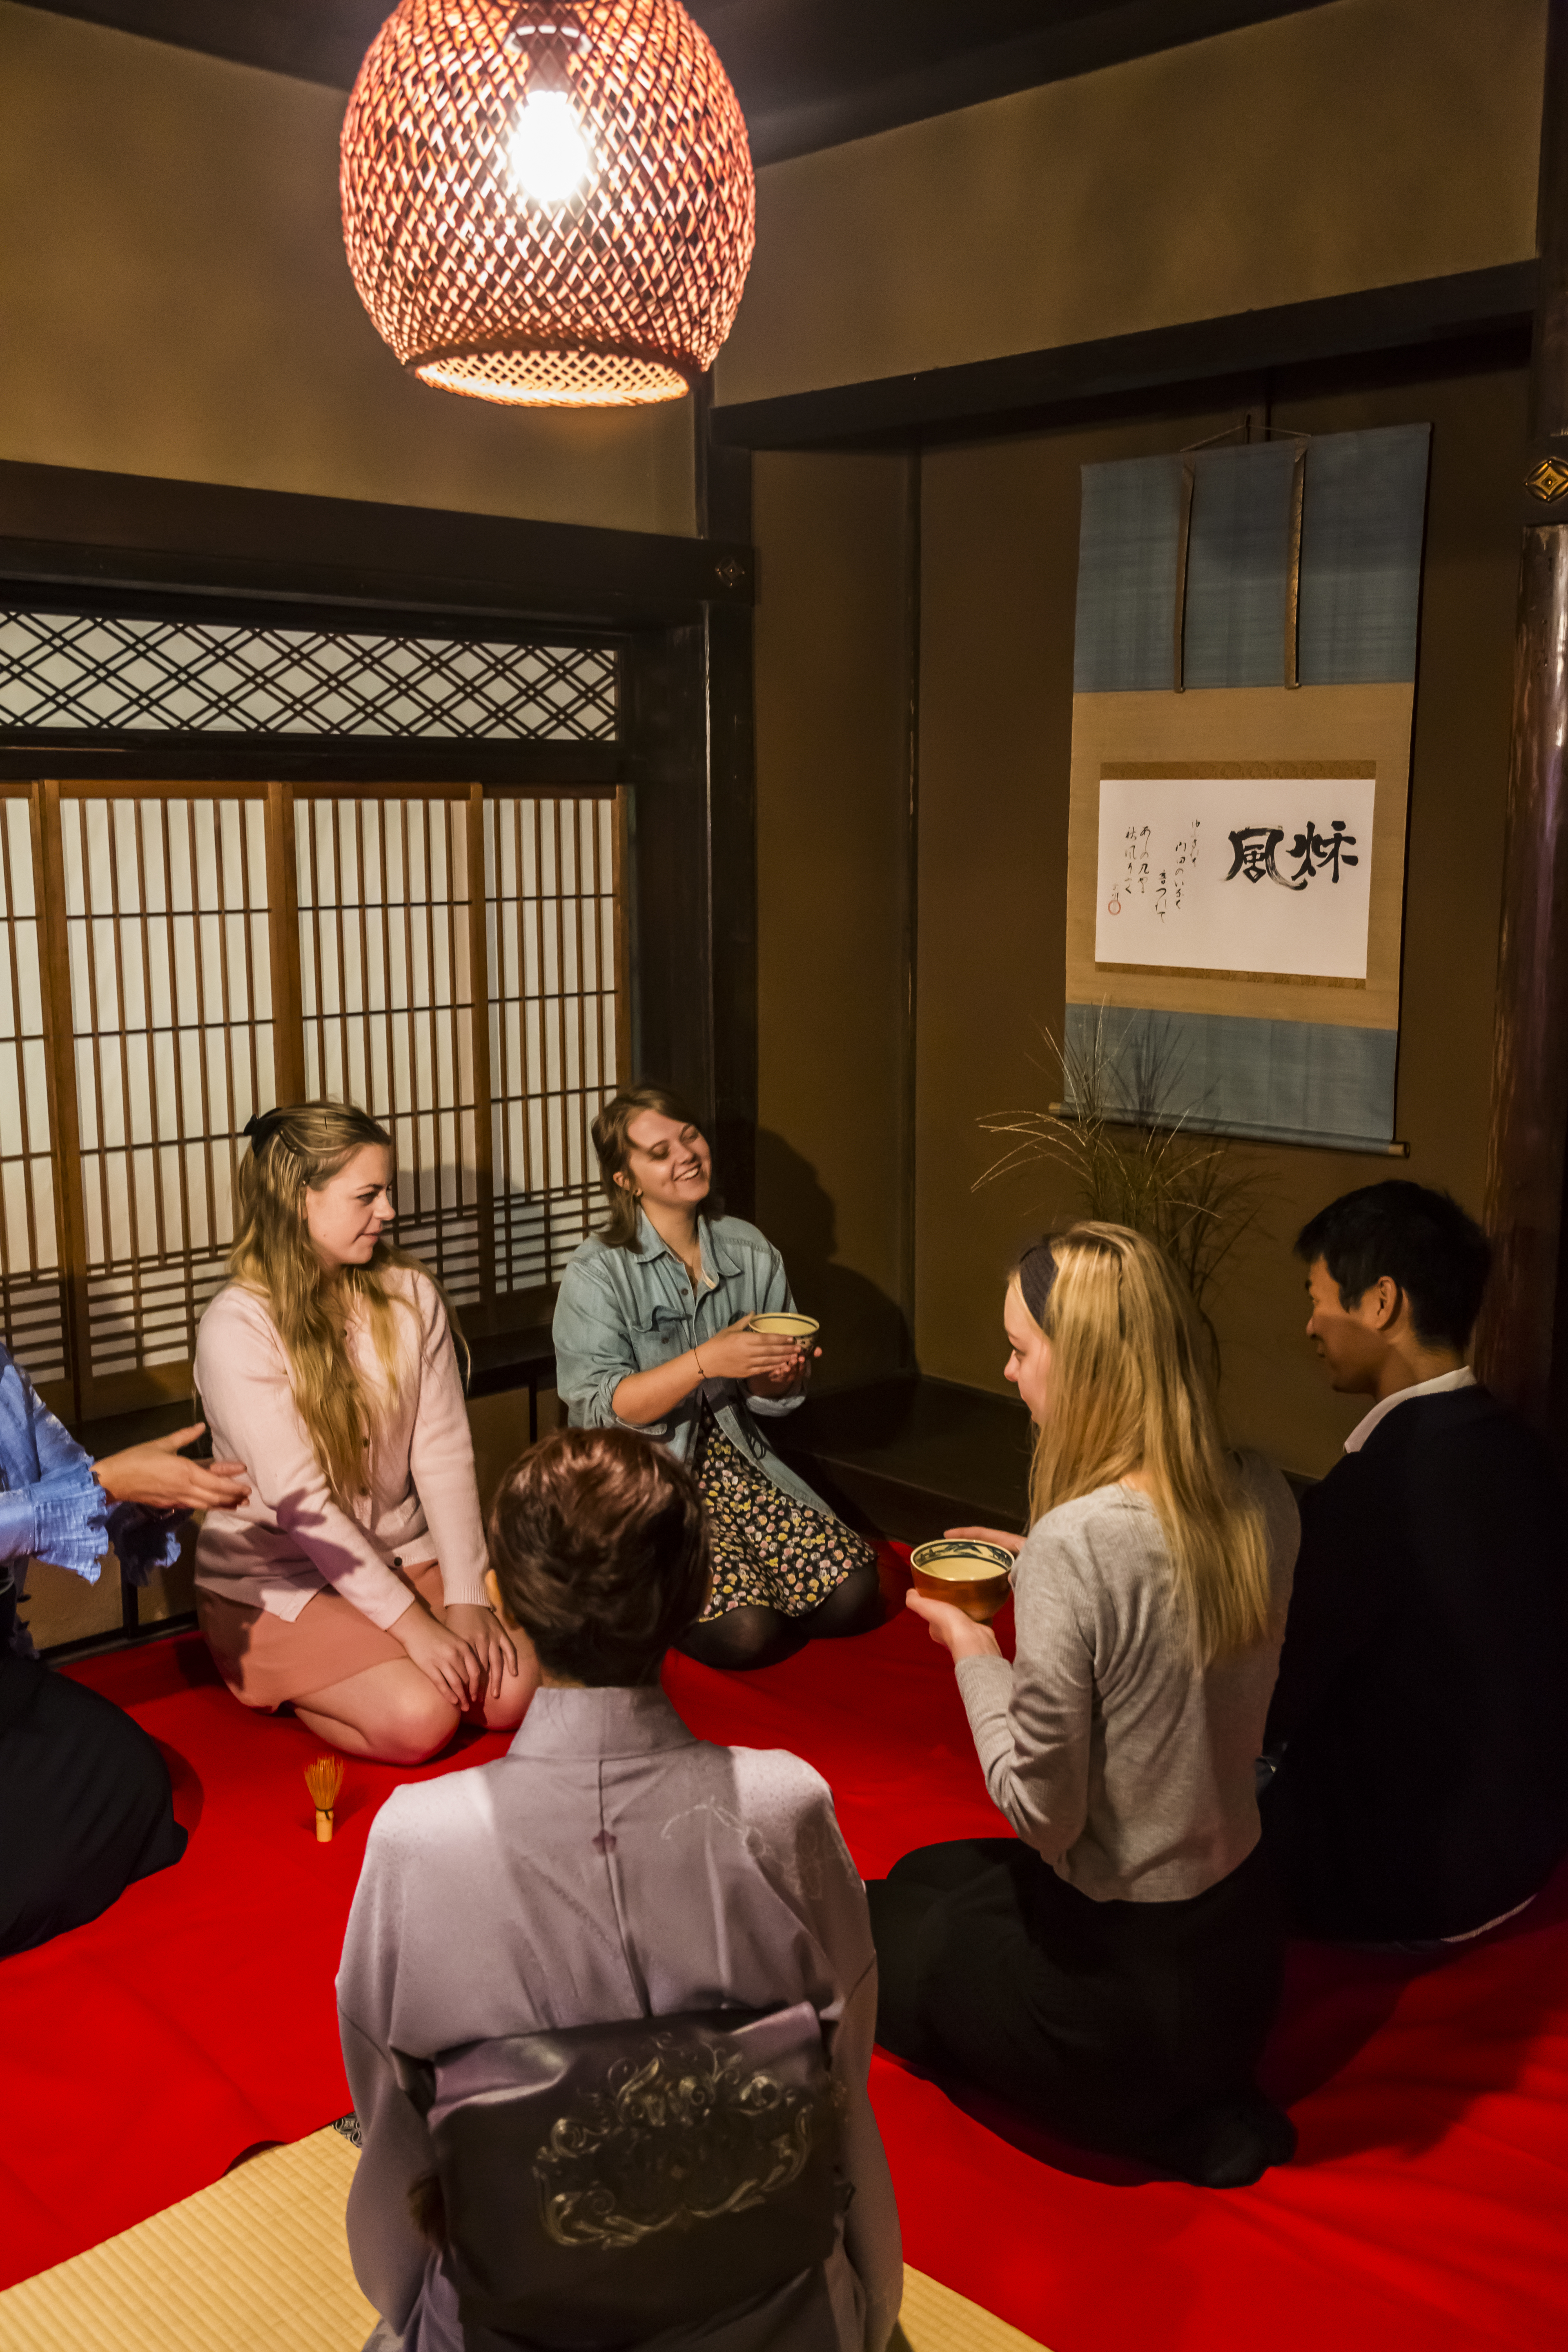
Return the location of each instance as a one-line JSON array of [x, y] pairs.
[[551, 205]]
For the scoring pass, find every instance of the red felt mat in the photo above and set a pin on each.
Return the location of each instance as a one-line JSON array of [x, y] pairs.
[[1423, 2214]]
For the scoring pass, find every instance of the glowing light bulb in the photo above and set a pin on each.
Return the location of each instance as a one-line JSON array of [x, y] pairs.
[[550, 158]]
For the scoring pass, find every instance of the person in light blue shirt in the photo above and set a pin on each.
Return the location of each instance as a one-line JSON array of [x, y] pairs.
[[652, 1333], [84, 1793]]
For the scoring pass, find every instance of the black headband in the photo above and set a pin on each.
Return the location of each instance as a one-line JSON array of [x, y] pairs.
[[261, 1127], [1036, 1272]]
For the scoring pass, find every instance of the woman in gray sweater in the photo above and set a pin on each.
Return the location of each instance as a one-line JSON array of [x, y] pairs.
[[1115, 1968]]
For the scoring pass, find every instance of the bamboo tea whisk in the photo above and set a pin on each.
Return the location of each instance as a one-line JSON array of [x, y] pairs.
[[324, 1778]]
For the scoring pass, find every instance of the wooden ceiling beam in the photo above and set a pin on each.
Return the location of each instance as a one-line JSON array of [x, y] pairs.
[[1487, 309], [809, 73], [68, 529]]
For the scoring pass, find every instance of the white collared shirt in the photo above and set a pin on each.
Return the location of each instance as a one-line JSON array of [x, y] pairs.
[[1442, 1386]]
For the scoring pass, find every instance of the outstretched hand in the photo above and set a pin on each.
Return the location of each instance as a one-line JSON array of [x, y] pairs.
[[158, 1476], [959, 1636]]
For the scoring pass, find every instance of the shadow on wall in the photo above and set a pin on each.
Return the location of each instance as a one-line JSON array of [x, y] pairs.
[[865, 1336]]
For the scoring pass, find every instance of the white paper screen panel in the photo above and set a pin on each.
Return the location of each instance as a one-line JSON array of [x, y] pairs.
[[387, 997], [151, 958], [550, 909], [32, 1315], [171, 1015]]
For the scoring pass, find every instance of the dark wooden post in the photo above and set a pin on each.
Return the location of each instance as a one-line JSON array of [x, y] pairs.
[[1519, 1335], [724, 512]]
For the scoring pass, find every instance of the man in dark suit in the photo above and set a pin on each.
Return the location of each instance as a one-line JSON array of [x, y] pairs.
[[1419, 1726]]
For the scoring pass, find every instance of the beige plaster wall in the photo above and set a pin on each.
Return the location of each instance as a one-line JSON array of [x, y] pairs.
[[833, 712], [174, 301], [1359, 144]]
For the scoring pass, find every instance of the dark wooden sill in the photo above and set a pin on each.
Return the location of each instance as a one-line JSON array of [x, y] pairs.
[[910, 1456]]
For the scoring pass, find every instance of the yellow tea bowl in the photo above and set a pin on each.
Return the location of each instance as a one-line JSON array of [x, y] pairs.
[[974, 1577], [802, 1328]]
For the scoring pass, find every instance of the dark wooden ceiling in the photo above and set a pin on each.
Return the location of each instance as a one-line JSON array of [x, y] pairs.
[[809, 73]]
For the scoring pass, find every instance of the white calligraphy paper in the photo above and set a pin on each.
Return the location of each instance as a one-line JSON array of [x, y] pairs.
[[1269, 874]]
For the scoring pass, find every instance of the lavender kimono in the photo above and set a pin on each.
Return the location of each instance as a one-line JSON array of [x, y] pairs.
[[609, 1867]]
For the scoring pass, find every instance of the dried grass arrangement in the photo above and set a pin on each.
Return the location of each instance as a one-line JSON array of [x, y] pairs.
[[1132, 1160], [550, 206]]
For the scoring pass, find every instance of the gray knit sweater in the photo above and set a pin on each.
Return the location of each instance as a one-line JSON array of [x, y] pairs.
[[1129, 1771]]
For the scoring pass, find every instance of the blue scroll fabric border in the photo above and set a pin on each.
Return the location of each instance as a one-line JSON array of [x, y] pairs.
[[1363, 522], [1229, 1074]]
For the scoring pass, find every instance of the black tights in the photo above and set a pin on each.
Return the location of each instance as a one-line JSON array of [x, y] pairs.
[[758, 1636]]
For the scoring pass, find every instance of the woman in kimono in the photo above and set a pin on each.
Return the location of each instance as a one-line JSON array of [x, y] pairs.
[[652, 1332], [83, 1790], [604, 1881]]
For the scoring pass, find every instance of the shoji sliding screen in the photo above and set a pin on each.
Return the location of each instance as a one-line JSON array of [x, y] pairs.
[[33, 1316], [165, 954], [555, 996], [177, 957], [386, 987]]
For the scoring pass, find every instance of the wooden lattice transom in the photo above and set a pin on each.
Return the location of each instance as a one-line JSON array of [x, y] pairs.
[[482, 276]]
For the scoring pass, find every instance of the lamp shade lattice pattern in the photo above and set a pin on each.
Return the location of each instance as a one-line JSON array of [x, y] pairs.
[[550, 205]]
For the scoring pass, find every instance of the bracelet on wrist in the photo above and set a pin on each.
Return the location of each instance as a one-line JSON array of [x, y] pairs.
[[697, 1361]]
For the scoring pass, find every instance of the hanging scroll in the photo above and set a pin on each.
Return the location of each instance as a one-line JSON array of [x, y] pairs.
[[1244, 671]]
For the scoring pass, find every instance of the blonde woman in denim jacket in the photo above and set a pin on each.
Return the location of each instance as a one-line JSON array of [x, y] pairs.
[[652, 1333]]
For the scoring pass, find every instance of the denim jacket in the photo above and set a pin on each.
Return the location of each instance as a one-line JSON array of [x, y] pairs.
[[624, 1310]]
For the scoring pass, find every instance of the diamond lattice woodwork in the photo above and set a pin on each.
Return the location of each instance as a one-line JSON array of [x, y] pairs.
[[155, 676]]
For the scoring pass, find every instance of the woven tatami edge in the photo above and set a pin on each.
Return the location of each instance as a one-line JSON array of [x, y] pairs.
[[260, 2262]]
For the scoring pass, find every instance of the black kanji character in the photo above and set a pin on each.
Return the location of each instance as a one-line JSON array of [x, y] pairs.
[[1317, 851], [1254, 846]]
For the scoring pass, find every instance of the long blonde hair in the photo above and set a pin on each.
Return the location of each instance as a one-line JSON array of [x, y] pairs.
[[1131, 1390], [297, 1149]]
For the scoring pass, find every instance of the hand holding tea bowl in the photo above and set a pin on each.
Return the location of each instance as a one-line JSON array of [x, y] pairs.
[[960, 1582], [788, 1379], [761, 1360]]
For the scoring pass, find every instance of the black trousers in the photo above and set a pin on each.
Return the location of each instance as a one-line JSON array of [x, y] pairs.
[[85, 1801], [1116, 2024]]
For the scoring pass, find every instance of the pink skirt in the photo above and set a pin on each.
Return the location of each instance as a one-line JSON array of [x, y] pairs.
[[266, 1660]]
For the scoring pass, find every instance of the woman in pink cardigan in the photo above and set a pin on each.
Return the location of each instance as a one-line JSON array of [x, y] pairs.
[[351, 1584]]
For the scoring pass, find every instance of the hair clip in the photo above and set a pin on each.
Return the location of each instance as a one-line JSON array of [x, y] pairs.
[[261, 1127], [1037, 1274]]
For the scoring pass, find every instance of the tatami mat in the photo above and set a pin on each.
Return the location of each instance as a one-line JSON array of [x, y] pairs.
[[258, 2262], [936, 2319]]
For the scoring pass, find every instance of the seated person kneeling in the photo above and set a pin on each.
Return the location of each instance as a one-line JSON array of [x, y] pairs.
[[653, 1332], [1113, 1970], [1420, 1723], [348, 1585], [88, 1805], [538, 1929]]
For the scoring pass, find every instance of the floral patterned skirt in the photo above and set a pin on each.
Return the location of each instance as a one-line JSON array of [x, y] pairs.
[[769, 1551]]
